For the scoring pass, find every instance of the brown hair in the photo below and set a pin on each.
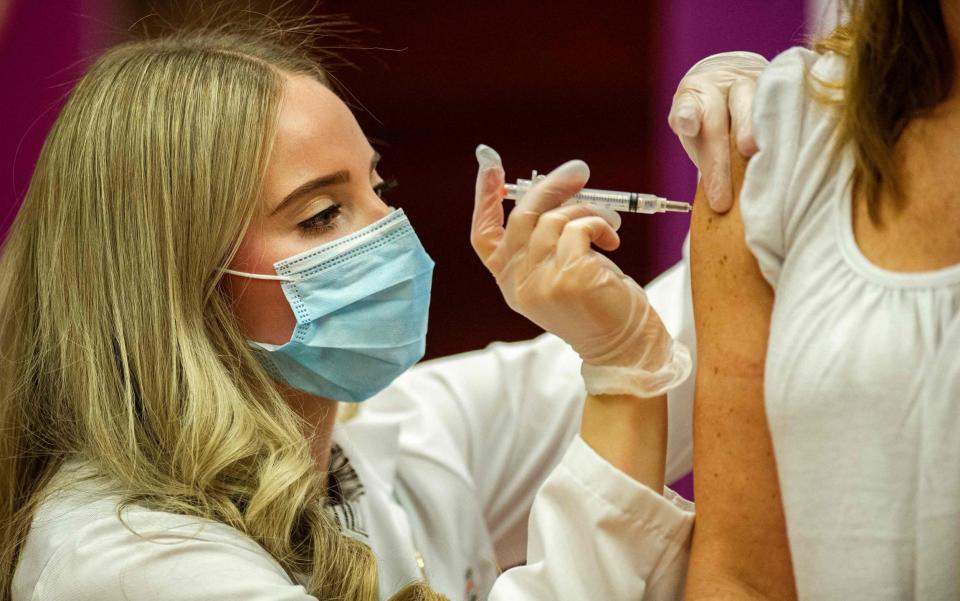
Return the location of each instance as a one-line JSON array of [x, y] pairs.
[[899, 66]]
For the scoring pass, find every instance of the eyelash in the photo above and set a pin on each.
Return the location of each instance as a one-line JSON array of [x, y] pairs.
[[386, 186], [325, 220]]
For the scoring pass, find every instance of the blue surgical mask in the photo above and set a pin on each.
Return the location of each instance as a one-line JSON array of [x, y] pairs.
[[361, 304]]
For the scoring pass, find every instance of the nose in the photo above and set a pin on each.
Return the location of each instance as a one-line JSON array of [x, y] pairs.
[[375, 209]]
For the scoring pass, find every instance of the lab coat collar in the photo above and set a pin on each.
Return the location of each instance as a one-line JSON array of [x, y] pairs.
[[372, 444]]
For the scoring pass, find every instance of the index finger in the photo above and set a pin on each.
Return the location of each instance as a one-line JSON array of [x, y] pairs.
[[546, 194], [741, 104], [486, 228], [556, 188], [713, 151]]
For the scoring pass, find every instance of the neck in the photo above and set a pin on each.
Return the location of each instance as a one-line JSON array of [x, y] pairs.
[[319, 416]]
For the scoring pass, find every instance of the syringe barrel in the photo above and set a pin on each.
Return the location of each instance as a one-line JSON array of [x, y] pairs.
[[617, 201], [630, 202]]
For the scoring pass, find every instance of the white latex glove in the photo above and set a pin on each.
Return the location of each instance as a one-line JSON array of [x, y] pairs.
[[714, 91], [547, 270]]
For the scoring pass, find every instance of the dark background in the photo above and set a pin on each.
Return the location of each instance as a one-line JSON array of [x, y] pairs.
[[541, 86], [542, 82]]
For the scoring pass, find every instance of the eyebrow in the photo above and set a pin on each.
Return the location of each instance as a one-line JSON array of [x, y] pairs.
[[325, 181]]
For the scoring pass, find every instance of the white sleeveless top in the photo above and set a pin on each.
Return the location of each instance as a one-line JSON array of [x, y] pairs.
[[863, 366]]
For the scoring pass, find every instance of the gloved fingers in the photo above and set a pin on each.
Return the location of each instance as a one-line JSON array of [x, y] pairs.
[[486, 229], [712, 90], [608, 215], [520, 225], [742, 63], [741, 104], [713, 152], [686, 113], [556, 188], [543, 240], [728, 64], [577, 237], [548, 193]]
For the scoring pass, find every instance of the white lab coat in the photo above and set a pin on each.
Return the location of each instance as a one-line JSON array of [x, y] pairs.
[[467, 463], [471, 439]]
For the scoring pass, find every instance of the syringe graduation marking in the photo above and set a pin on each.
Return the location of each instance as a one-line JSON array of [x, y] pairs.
[[632, 202]]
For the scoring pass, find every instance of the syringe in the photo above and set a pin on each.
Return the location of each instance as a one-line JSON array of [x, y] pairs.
[[628, 202]]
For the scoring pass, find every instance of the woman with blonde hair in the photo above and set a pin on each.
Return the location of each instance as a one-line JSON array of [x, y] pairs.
[[203, 266]]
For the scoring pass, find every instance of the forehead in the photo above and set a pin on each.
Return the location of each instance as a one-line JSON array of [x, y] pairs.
[[316, 129]]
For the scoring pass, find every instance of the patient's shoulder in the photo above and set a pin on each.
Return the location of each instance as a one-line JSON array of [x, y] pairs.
[[797, 93], [800, 166]]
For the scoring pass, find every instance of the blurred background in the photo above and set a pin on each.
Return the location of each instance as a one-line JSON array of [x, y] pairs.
[[542, 82]]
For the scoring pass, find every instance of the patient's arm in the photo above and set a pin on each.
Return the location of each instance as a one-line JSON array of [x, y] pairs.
[[740, 544]]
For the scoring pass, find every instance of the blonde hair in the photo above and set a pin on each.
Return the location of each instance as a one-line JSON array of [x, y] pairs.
[[118, 344]]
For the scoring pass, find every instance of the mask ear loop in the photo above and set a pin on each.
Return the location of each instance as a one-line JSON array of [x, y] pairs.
[[258, 276]]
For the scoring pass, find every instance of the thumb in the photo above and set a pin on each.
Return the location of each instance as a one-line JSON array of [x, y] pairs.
[[486, 228], [686, 114]]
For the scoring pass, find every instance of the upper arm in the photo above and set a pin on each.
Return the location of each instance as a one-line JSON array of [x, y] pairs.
[[740, 543]]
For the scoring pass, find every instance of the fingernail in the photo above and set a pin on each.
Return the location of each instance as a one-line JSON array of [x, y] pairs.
[[746, 144], [488, 158], [713, 192], [688, 121], [611, 217], [575, 168]]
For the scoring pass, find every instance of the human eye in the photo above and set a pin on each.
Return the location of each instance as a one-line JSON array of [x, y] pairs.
[[384, 187], [323, 221]]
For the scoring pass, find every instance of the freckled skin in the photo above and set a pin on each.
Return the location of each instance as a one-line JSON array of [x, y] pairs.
[[740, 547]]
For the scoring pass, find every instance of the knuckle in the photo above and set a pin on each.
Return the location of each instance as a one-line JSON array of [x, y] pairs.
[[527, 297], [520, 218], [554, 218], [564, 290], [495, 264], [512, 219], [582, 226]]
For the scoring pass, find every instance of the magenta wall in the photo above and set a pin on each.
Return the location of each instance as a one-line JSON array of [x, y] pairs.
[[688, 31], [44, 47]]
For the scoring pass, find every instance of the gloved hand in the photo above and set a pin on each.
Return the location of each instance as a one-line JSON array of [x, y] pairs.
[[548, 272], [714, 91]]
